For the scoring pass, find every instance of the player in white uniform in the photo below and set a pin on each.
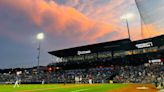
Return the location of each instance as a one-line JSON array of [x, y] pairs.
[[43, 81], [90, 79], [17, 82]]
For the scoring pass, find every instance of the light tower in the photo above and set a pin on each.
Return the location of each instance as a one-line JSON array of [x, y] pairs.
[[40, 37], [127, 17]]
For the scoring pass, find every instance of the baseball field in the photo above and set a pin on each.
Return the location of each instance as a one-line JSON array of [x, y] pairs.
[[79, 88]]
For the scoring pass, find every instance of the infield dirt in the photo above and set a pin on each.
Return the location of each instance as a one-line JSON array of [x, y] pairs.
[[133, 88]]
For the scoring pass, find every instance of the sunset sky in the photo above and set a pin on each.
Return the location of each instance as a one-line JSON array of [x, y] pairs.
[[66, 23]]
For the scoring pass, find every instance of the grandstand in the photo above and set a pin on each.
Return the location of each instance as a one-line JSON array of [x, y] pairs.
[[120, 52]]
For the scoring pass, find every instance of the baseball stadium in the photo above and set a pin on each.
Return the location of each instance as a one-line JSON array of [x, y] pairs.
[[116, 66], [122, 65]]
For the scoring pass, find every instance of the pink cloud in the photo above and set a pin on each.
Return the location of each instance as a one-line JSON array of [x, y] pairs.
[[60, 20], [149, 30]]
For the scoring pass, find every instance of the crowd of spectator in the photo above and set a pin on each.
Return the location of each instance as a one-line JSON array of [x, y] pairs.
[[148, 73]]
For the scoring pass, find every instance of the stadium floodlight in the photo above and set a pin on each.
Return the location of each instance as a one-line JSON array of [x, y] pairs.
[[40, 36], [127, 17]]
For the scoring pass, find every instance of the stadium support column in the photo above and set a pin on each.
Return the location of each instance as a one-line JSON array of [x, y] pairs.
[[112, 53]]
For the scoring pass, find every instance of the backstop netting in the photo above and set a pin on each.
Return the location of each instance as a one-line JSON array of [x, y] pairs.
[[152, 17]]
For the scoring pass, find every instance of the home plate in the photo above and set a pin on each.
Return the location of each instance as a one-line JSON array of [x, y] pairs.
[[142, 88]]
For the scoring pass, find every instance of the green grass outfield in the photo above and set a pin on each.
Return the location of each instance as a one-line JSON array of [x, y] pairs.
[[61, 87]]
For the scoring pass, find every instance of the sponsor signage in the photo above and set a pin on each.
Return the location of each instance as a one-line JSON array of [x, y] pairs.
[[61, 59], [83, 52], [143, 45], [155, 61]]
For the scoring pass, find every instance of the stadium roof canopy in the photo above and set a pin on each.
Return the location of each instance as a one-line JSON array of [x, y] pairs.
[[93, 48], [118, 45], [157, 41]]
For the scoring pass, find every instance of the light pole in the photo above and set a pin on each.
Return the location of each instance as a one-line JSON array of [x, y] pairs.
[[40, 36], [126, 17]]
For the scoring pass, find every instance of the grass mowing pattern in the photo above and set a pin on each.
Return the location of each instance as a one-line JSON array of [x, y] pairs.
[[61, 88]]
